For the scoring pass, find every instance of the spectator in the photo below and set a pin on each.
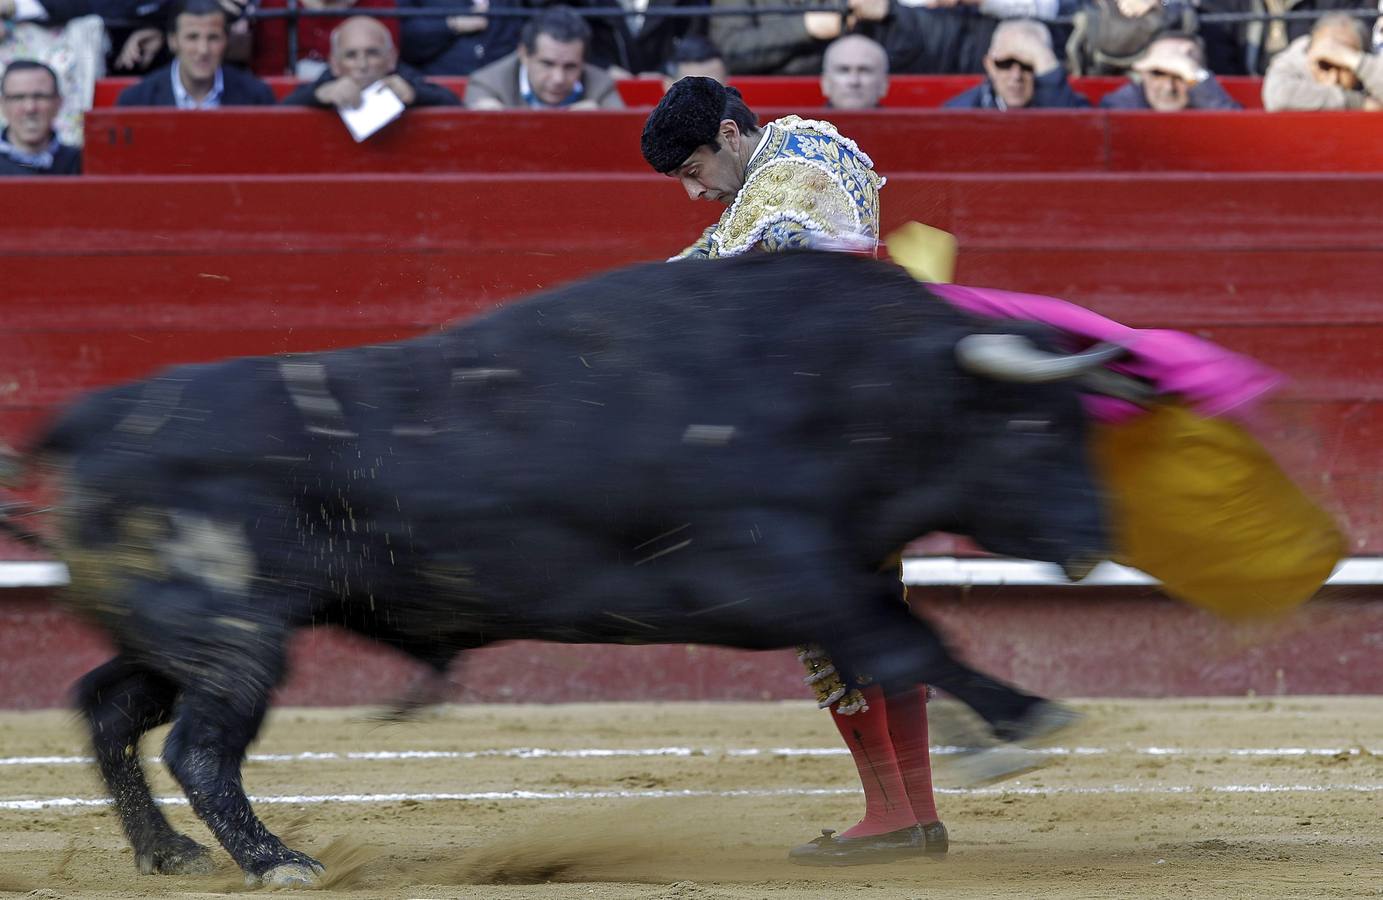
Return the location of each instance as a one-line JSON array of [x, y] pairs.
[[1171, 76], [1248, 48], [458, 45], [197, 78], [363, 52], [854, 73], [1109, 35], [941, 38], [548, 71], [1023, 72], [696, 57], [1327, 69], [636, 43], [29, 146], [270, 53], [136, 28], [776, 44]]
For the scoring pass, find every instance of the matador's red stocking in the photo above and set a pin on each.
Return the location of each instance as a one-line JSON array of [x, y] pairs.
[[907, 723], [887, 803]]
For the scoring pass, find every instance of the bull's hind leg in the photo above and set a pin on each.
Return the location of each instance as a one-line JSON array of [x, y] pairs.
[[120, 702], [214, 722]]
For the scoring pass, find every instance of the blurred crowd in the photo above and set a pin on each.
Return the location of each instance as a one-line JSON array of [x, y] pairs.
[[203, 54]]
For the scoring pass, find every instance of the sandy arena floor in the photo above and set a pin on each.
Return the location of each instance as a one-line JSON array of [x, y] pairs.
[[1215, 799]]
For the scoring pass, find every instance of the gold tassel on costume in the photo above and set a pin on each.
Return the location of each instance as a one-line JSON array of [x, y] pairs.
[[830, 689]]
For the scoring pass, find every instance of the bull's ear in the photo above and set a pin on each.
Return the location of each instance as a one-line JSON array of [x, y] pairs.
[[1011, 357]]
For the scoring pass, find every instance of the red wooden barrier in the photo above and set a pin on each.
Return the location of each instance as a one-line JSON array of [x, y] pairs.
[[288, 141], [799, 92], [1065, 643], [113, 278]]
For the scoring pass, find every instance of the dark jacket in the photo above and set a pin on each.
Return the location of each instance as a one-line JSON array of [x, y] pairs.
[[428, 94], [1052, 91], [924, 41], [435, 49], [66, 160], [156, 89], [1209, 94]]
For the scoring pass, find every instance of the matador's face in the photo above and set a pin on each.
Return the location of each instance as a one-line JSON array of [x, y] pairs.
[[711, 174]]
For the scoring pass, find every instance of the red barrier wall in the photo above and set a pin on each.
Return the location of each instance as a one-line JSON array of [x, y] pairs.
[[800, 92], [288, 141]]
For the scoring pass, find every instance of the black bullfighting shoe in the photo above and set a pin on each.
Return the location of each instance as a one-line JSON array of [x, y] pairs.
[[831, 850]]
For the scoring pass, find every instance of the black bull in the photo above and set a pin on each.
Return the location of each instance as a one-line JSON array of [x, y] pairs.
[[725, 453]]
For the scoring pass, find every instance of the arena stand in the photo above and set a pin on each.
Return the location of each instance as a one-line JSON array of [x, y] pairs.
[[201, 235]]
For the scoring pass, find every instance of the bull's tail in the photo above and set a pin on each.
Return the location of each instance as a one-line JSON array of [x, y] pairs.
[[14, 471], [10, 513], [12, 467]]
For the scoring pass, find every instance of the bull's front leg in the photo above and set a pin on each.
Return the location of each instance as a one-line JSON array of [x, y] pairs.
[[204, 751]]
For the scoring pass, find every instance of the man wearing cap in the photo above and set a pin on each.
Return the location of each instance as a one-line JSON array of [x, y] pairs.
[[798, 183], [1171, 76], [792, 183]]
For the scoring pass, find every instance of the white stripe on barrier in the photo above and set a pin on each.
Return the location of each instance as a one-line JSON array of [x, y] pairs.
[[684, 752], [1014, 790], [934, 571]]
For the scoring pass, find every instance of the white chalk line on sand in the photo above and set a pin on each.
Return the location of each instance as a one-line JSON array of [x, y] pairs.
[[675, 752], [1015, 790]]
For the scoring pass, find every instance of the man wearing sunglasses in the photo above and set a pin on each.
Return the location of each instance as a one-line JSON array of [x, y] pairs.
[[1171, 76], [1328, 69], [1023, 72]]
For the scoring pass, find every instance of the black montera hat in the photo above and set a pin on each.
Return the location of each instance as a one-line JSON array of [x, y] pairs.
[[687, 117]]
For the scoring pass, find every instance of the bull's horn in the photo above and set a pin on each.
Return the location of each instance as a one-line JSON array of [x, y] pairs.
[[1011, 357]]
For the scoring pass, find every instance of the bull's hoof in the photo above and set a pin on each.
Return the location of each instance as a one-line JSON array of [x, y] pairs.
[[291, 875], [1041, 723], [179, 856], [994, 764]]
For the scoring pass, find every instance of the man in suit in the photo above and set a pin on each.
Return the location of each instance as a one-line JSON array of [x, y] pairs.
[[548, 71], [363, 52], [30, 100], [197, 77]]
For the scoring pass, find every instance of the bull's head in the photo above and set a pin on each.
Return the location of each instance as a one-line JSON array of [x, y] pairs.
[[1043, 502]]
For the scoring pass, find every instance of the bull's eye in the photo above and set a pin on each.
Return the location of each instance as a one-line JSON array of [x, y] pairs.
[[1038, 426]]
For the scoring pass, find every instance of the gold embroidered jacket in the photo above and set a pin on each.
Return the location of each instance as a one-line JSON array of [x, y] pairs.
[[804, 182]]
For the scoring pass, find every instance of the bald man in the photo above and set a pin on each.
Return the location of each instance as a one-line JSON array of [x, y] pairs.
[[854, 73], [362, 53]]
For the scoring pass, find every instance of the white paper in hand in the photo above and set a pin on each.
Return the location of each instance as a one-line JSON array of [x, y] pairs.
[[378, 107]]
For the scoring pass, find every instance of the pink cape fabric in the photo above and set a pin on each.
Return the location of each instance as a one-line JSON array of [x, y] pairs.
[[1213, 381]]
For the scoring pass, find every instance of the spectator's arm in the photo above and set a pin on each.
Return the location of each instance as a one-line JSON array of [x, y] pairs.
[[304, 95], [1210, 94], [1370, 72], [428, 94], [763, 48], [1052, 90], [1288, 85], [424, 37], [481, 96]]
